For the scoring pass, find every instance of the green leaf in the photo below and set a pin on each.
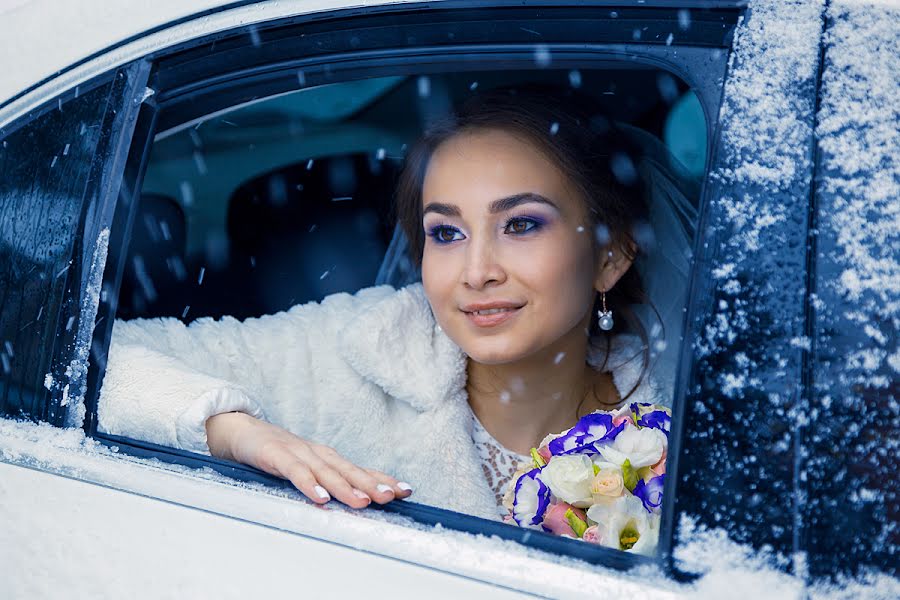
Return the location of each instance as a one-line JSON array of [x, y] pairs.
[[629, 475], [575, 522], [537, 458]]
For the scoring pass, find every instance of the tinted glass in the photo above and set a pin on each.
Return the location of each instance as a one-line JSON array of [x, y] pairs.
[[49, 170]]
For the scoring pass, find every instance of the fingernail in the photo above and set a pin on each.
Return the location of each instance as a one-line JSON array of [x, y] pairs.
[[360, 494], [404, 486], [322, 492], [384, 488]]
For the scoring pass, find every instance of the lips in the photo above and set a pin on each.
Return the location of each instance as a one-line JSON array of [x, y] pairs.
[[491, 314]]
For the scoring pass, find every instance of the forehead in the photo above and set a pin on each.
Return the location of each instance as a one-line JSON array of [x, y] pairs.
[[488, 164]]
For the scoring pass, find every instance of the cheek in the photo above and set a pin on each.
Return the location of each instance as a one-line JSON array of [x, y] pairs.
[[438, 278], [564, 268]]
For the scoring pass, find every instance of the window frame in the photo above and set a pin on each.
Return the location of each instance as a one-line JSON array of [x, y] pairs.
[[71, 344], [168, 90]]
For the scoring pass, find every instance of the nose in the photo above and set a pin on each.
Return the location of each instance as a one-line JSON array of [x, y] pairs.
[[482, 268]]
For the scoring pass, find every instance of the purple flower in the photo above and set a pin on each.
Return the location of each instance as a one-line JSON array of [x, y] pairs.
[[592, 429], [532, 497], [651, 492], [648, 415]]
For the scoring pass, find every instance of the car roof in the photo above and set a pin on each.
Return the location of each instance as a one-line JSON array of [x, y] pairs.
[[47, 38], [57, 44]]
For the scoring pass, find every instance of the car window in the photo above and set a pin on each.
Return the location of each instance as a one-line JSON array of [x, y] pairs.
[[286, 200], [53, 173], [217, 231]]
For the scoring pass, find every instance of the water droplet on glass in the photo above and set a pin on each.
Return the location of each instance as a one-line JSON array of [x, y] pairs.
[[473, 86], [53, 162], [324, 275], [309, 164], [9, 348], [200, 277], [380, 154], [517, 385], [66, 150], [301, 78], [636, 34], [579, 229], [684, 19], [601, 233], [184, 313], [670, 39], [558, 358], [575, 78], [542, 56], [554, 128], [504, 397]]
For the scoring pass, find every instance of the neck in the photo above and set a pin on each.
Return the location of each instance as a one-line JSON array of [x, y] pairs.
[[520, 403]]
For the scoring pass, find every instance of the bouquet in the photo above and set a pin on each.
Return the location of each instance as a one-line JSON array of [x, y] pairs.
[[601, 481]]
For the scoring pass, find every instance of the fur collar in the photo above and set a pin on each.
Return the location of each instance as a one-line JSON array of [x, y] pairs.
[[396, 343]]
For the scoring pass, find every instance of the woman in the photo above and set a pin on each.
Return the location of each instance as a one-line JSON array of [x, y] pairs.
[[524, 240]]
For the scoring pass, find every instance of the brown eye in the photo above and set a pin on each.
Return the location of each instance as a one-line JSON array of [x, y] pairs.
[[519, 226], [446, 235]]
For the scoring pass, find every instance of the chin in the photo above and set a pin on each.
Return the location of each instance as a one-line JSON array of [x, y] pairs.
[[489, 352]]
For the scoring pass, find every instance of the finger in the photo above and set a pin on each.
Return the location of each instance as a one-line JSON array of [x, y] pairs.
[[338, 486], [283, 463], [401, 489], [380, 491]]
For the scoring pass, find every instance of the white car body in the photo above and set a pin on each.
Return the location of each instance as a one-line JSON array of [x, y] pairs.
[[80, 520], [104, 525]]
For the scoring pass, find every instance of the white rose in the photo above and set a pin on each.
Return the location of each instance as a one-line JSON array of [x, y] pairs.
[[569, 478], [642, 447]]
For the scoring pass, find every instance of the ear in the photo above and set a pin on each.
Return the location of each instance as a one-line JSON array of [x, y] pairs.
[[614, 262]]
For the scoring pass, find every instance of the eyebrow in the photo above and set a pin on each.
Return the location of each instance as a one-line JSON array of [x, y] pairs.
[[497, 206]]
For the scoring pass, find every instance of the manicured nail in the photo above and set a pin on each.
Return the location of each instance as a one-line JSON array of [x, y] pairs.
[[384, 488], [360, 494], [404, 486], [322, 492]]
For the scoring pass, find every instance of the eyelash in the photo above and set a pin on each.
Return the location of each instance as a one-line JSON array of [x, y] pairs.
[[436, 231]]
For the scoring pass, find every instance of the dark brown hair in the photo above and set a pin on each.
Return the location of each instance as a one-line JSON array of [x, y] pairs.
[[585, 146]]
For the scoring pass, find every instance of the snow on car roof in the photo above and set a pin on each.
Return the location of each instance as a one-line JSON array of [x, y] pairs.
[[95, 36]]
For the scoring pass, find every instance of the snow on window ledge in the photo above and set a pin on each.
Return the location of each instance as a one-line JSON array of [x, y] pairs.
[[69, 453]]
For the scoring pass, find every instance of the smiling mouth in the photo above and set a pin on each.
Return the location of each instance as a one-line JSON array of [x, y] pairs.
[[491, 317], [492, 311]]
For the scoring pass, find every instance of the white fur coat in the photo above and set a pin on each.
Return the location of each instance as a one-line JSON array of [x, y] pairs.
[[370, 374]]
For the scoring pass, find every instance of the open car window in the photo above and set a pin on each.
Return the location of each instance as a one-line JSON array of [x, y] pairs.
[[286, 200], [255, 195]]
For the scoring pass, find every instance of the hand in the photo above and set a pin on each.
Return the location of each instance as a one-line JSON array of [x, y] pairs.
[[316, 470]]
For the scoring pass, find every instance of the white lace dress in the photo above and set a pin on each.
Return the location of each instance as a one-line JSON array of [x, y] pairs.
[[499, 463]]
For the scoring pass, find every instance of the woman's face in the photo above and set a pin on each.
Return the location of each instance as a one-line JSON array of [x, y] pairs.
[[508, 265]]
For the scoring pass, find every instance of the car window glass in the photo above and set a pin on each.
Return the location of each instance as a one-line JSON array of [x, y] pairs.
[[46, 169]]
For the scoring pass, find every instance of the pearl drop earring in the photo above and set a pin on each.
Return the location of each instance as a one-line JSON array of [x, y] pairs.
[[605, 318]]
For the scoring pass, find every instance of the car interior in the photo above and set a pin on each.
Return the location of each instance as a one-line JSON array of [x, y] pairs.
[[287, 199]]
